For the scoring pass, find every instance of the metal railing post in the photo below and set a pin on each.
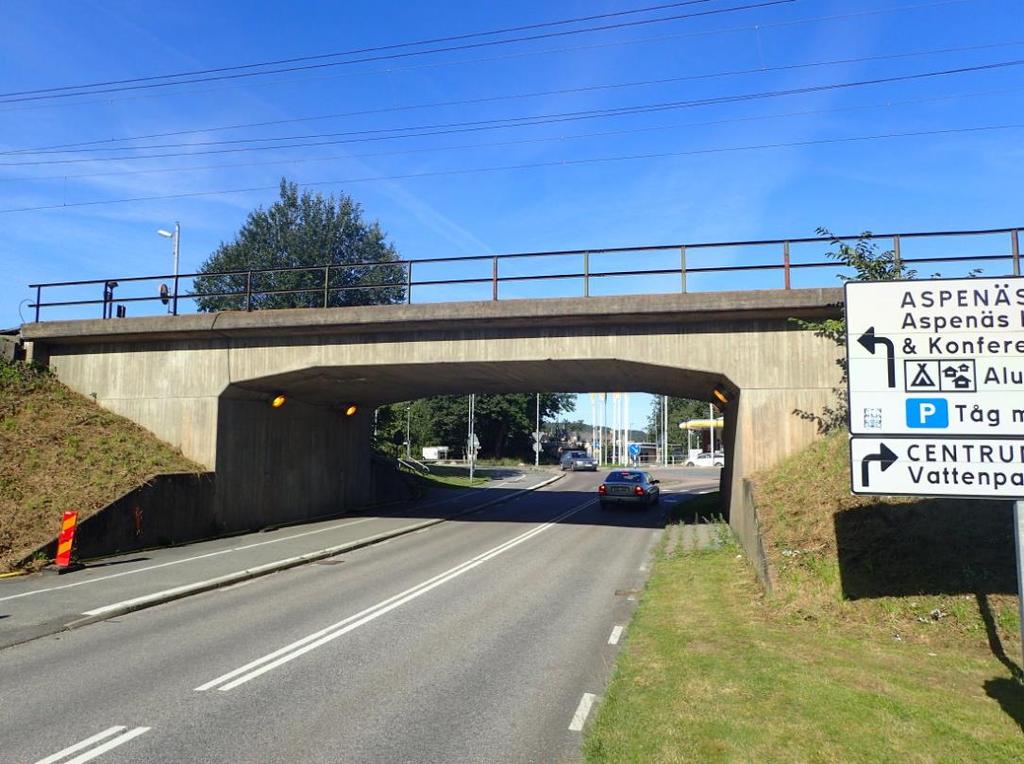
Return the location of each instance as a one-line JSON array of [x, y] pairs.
[[248, 292], [494, 278], [897, 257], [39, 299], [682, 268], [785, 263], [408, 284], [586, 274], [1014, 250], [327, 282]]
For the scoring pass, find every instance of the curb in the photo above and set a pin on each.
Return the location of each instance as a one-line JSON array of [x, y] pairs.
[[180, 592]]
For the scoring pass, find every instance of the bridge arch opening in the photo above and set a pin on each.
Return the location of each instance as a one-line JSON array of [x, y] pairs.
[[313, 457]]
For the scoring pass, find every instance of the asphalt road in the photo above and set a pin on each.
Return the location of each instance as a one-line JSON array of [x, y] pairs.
[[477, 640]]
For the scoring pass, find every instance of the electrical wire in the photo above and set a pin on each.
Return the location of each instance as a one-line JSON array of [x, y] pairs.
[[104, 142], [530, 165], [10, 98], [360, 51], [359, 136], [290, 81], [523, 141]]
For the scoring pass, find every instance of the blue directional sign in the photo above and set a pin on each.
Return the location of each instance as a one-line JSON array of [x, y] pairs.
[[929, 413], [634, 450]]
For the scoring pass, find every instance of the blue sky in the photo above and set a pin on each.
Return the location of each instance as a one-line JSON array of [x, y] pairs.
[[926, 182]]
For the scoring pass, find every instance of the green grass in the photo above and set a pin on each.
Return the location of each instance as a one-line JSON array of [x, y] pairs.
[[885, 564], [447, 476], [712, 672], [60, 451]]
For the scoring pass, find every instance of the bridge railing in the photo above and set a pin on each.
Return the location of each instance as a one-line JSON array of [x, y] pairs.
[[709, 266]]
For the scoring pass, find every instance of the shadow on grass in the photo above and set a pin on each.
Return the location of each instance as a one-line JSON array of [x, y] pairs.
[[1009, 694], [932, 546], [995, 643], [940, 547]]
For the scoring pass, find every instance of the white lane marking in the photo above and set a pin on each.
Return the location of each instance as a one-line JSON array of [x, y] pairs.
[[211, 582], [109, 745], [614, 638], [300, 647], [183, 560], [99, 750], [83, 744], [582, 711]]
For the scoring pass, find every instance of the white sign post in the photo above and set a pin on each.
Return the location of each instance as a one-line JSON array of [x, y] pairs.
[[936, 385]]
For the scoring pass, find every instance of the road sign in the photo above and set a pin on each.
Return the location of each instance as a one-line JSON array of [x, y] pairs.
[[936, 357], [990, 468], [633, 449]]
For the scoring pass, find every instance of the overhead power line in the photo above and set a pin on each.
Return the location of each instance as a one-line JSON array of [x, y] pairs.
[[381, 134], [70, 91], [290, 81], [518, 142], [360, 51], [530, 165], [105, 143]]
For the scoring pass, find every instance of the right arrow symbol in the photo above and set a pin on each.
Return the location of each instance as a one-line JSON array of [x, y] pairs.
[[869, 340], [885, 457]]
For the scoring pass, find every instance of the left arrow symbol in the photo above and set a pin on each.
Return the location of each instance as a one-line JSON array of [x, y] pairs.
[[885, 457], [869, 340]]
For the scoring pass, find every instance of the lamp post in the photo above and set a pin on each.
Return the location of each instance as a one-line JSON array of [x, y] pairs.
[[536, 445], [176, 236]]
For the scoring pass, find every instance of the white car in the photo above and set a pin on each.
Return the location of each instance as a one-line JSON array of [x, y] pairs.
[[707, 460]]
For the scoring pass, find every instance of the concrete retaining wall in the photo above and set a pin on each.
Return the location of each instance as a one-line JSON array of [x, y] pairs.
[[173, 508]]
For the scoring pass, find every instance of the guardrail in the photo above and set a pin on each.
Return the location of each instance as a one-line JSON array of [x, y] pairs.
[[326, 285]]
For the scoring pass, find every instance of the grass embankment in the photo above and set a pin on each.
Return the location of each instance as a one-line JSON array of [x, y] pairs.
[[891, 636], [60, 451], [933, 571]]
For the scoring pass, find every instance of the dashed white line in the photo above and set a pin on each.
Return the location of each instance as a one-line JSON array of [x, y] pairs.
[[614, 638], [582, 711], [300, 647], [98, 750]]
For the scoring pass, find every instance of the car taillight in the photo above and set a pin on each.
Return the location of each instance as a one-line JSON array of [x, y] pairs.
[[602, 489], [639, 490]]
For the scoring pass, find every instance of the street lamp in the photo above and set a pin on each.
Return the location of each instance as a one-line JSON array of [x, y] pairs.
[[176, 236]]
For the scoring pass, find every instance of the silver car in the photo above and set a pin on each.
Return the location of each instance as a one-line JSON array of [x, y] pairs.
[[628, 487], [577, 460]]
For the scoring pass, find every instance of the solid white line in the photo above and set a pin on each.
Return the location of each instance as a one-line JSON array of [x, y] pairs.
[[298, 648], [582, 711], [183, 560], [109, 745], [227, 576], [614, 638], [84, 744]]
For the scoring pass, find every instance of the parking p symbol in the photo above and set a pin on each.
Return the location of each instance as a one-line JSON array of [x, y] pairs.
[[927, 413]]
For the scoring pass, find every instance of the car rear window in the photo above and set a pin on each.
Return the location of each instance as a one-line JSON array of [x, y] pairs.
[[625, 477]]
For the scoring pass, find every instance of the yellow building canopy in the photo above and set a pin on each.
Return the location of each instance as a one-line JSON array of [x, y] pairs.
[[702, 424]]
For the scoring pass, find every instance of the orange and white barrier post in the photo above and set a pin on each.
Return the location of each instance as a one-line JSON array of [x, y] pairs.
[[66, 540]]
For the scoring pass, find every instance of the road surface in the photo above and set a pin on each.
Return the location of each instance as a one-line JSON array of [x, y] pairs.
[[486, 638]]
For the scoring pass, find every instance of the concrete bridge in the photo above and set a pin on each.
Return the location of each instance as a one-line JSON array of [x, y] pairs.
[[202, 382]]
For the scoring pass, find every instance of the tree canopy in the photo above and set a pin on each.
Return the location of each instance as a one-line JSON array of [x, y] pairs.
[[310, 231], [504, 423]]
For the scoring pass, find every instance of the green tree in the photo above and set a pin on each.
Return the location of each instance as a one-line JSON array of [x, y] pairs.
[[679, 410], [303, 230], [504, 423], [868, 263]]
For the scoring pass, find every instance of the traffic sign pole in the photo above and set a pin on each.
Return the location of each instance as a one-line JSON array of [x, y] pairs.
[[1018, 537]]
